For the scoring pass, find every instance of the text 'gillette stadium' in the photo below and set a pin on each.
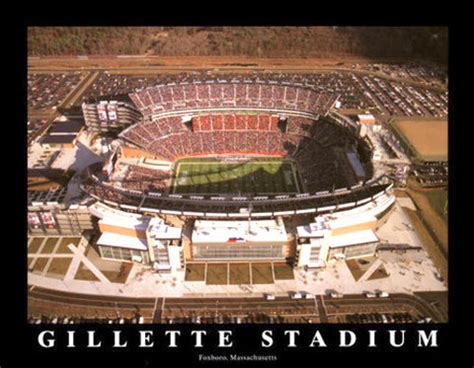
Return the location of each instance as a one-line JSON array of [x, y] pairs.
[[217, 171]]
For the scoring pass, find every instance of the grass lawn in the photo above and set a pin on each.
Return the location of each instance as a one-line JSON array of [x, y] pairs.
[[49, 246], [195, 272], [283, 271], [59, 266], [216, 274], [215, 176], [34, 245], [262, 273], [40, 264], [239, 274], [437, 199], [63, 248], [83, 273], [121, 275]]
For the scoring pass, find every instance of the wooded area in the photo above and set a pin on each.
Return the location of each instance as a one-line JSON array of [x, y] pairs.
[[424, 43]]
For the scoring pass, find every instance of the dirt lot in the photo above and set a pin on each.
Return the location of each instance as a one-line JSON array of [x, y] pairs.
[[428, 137]]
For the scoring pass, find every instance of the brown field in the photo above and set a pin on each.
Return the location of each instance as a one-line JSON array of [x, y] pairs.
[[40, 264], [195, 62], [428, 137], [83, 273], [49, 245], [379, 273], [34, 245], [355, 269], [63, 248], [216, 274], [59, 266], [121, 275], [262, 273], [283, 271], [239, 273], [195, 272]]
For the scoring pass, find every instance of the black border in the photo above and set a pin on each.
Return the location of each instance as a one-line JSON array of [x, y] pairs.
[[17, 346]]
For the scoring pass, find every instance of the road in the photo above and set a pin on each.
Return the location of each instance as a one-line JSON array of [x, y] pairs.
[[155, 310]]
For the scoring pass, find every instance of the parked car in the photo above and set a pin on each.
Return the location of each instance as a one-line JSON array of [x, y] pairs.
[[296, 295]]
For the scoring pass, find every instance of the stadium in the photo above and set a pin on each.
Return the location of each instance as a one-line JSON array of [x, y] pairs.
[[235, 171]]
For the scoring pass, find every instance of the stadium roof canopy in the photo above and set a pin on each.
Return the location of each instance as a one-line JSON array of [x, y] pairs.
[[58, 139], [122, 241], [72, 126]]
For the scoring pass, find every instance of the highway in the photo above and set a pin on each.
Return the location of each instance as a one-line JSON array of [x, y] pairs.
[[156, 310]]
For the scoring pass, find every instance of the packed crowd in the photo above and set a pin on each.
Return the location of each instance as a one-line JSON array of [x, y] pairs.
[[142, 178], [48, 90], [235, 122], [178, 97]]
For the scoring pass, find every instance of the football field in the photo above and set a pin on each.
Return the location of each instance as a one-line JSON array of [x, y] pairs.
[[219, 176]]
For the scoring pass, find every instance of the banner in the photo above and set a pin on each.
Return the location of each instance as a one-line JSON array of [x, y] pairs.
[[34, 221], [101, 111], [48, 220], [112, 111]]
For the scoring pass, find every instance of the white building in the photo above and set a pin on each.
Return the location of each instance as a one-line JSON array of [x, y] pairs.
[[346, 234]]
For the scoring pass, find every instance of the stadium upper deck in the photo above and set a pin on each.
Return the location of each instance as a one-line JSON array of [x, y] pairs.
[[199, 96]]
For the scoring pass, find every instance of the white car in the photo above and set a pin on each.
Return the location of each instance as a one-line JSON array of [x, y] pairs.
[[296, 295], [383, 294], [309, 296], [370, 295], [269, 297], [335, 294]]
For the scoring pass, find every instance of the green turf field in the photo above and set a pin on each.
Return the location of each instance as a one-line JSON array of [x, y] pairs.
[[215, 176]]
